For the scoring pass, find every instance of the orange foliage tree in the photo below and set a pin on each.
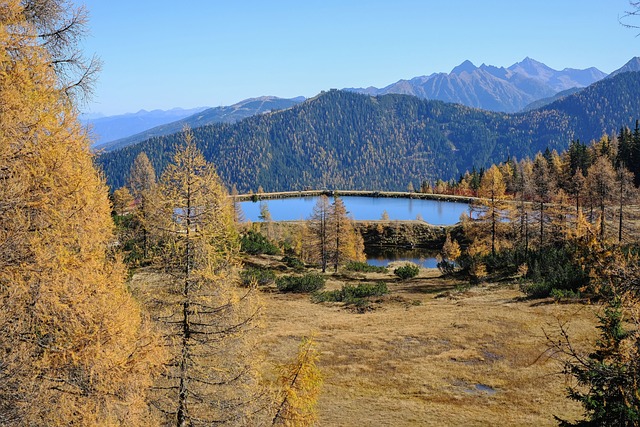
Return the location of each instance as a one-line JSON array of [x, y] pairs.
[[74, 347]]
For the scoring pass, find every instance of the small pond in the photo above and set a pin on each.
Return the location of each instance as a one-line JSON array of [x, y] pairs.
[[381, 257]]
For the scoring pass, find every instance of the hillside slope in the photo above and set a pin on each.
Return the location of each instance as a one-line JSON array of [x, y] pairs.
[[346, 140], [227, 114]]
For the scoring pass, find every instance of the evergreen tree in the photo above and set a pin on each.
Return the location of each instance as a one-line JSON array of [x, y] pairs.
[[74, 347], [608, 378]]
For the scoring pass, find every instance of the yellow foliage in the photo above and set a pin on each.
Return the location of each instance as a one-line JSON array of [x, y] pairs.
[[74, 347], [451, 249], [300, 383]]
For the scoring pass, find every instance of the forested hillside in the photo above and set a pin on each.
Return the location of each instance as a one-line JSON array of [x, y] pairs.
[[351, 141]]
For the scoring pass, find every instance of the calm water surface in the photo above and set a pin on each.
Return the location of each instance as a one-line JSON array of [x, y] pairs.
[[383, 256], [362, 208]]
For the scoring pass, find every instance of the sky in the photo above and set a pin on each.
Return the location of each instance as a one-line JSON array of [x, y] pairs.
[[163, 54]]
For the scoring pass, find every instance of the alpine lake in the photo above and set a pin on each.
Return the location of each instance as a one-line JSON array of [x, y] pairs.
[[368, 208]]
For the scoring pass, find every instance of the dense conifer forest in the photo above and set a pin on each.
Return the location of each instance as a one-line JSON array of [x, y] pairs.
[[350, 141]]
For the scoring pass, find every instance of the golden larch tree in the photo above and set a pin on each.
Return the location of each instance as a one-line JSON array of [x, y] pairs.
[[318, 229], [74, 347], [345, 243], [299, 387], [204, 314], [142, 183]]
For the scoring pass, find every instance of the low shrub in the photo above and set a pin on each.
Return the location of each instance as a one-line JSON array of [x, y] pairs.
[[536, 289], [293, 262], [446, 267], [255, 243], [407, 271], [554, 268], [350, 294], [353, 295], [363, 267], [259, 276], [300, 284], [560, 294]]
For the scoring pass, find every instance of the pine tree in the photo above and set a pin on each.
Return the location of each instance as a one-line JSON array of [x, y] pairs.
[[74, 347], [205, 317]]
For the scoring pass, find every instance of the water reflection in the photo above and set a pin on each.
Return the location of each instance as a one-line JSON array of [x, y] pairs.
[[362, 208], [381, 257]]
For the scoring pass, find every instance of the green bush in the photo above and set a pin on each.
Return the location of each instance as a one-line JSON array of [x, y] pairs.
[[260, 276], [536, 289], [351, 294], [554, 268], [300, 284], [407, 271], [293, 262], [255, 243], [560, 294], [363, 267]]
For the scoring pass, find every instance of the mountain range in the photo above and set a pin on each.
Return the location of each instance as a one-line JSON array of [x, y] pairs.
[[342, 139], [492, 88], [230, 114], [524, 86], [110, 128]]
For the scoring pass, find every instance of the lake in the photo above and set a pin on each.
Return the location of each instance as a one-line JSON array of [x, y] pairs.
[[362, 208]]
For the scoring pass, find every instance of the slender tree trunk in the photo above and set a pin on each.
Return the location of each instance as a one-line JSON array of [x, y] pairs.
[[336, 259], [620, 214], [323, 239], [602, 220], [493, 226], [183, 394], [541, 224]]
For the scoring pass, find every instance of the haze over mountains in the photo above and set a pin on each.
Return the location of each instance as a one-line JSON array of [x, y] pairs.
[[492, 88], [110, 128], [230, 114]]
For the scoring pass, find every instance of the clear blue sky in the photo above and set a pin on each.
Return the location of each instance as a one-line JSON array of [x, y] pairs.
[[162, 54]]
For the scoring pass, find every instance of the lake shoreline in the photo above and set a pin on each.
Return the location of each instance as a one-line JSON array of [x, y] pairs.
[[256, 197]]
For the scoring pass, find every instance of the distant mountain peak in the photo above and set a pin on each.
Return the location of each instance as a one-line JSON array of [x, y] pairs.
[[532, 68], [632, 65], [466, 66]]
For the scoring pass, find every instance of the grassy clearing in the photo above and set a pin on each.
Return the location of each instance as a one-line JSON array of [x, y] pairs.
[[429, 354], [469, 358]]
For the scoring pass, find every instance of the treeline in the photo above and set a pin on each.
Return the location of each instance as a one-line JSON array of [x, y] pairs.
[[351, 141], [533, 210]]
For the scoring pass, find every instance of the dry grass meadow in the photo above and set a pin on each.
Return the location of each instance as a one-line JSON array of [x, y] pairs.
[[432, 353]]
